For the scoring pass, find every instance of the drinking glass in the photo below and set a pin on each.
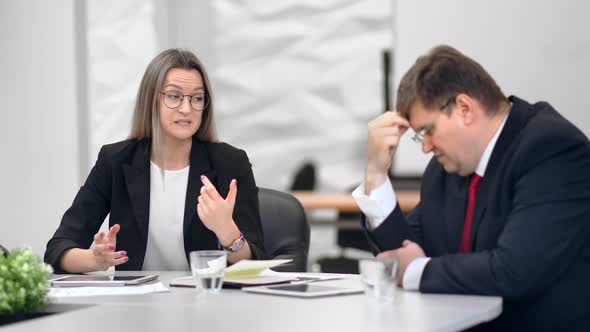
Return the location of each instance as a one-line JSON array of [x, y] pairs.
[[379, 277], [207, 267]]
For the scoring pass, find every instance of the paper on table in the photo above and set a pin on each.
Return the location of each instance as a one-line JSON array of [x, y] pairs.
[[63, 292], [305, 277], [189, 281], [244, 273], [251, 269]]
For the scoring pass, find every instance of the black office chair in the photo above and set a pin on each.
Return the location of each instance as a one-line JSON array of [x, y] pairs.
[[286, 231]]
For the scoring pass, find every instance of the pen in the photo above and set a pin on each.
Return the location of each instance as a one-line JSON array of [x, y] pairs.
[[307, 280]]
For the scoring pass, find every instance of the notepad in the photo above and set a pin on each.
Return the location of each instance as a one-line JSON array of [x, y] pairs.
[[246, 268], [244, 273]]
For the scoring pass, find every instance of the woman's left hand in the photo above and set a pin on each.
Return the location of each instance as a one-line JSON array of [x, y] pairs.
[[215, 211]]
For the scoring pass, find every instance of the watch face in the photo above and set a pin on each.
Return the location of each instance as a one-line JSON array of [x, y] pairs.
[[237, 245]]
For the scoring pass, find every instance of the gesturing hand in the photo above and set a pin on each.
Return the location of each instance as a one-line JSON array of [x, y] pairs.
[[104, 249], [214, 210]]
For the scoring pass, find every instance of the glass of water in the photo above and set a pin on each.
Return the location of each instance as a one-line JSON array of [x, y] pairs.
[[207, 267], [379, 277]]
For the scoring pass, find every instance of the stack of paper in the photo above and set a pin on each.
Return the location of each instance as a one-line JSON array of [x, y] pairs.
[[64, 292]]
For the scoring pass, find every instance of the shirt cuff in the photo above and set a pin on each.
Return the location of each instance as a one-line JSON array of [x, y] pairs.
[[378, 204], [413, 274]]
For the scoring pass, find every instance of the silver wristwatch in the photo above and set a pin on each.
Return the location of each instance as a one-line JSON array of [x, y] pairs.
[[236, 245]]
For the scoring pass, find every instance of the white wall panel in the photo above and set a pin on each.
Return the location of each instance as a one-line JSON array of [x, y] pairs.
[[299, 80], [39, 171], [535, 49], [121, 41]]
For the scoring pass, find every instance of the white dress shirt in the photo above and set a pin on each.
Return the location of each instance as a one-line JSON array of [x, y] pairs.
[[381, 201], [165, 246]]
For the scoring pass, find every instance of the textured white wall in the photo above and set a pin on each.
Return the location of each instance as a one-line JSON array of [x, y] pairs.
[[122, 38], [121, 41], [536, 49], [39, 172], [299, 80]]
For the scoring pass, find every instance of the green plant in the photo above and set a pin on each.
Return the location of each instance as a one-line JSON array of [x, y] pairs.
[[23, 282]]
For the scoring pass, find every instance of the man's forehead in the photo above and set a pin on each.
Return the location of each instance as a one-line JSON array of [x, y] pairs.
[[419, 116]]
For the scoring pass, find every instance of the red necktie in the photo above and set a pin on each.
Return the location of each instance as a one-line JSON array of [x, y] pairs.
[[473, 186]]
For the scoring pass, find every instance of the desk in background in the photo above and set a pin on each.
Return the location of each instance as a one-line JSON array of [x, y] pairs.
[[344, 202], [182, 310], [349, 234]]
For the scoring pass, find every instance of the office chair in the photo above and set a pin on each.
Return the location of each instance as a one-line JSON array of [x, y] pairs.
[[286, 231]]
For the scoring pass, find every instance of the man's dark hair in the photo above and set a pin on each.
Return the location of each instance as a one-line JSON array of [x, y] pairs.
[[442, 74]]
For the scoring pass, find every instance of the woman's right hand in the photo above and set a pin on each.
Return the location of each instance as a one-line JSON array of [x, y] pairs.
[[103, 253]]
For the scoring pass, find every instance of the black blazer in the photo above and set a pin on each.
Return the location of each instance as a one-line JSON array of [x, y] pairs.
[[119, 184], [530, 237]]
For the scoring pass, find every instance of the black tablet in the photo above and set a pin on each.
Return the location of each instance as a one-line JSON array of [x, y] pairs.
[[303, 290]]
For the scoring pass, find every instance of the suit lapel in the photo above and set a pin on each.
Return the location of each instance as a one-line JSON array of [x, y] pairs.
[[199, 165], [137, 179], [513, 126]]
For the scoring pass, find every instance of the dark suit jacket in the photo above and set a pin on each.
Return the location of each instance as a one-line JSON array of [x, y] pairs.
[[530, 237], [119, 184]]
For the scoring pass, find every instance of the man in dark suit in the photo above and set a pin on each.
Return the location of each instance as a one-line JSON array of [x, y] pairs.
[[505, 200]]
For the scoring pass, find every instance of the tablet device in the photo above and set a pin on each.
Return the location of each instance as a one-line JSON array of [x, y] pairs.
[[303, 290], [86, 280]]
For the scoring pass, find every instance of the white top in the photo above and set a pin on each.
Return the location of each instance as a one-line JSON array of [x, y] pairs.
[[165, 245], [382, 201]]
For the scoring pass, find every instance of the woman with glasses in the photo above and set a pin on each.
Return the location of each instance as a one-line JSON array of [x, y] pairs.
[[170, 189]]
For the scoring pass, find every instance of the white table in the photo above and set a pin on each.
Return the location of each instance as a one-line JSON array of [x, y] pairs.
[[234, 310]]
